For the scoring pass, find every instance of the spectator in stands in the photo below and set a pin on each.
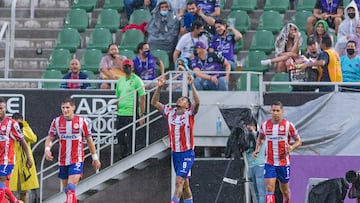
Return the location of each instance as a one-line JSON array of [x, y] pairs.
[[194, 13], [209, 8], [287, 44], [163, 27], [256, 165], [312, 49], [179, 7], [329, 60], [180, 65], [131, 5], [145, 63], [347, 28], [75, 74], [329, 10], [212, 61], [24, 179], [125, 87], [184, 47], [350, 64], [224, 41], [356, 37], [111, 66], [321, 29]]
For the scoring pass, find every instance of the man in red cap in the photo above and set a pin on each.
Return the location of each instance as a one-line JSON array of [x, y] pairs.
[[127, 89]]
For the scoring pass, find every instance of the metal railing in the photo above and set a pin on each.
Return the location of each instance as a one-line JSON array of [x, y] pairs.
[[100, 139], [5, 31], [12, 30]]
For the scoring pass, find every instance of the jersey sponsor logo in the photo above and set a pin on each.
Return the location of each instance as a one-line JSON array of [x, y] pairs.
[[279, 138], [68, 137]]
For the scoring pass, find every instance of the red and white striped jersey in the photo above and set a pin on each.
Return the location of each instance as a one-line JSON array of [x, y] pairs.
[[9, 132], [71, 134], [180, 129], [277, 137]]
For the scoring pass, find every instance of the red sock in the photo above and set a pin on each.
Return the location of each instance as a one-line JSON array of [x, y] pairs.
[[71, 196], [10, 196], [270, 198]]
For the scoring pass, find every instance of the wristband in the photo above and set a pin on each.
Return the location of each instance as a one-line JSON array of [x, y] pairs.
[[47, 149], [94, 157]]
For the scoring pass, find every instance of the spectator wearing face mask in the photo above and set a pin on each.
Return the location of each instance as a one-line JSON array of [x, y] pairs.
[[163, 27], [145, 63], [347, 27], [350, 64]]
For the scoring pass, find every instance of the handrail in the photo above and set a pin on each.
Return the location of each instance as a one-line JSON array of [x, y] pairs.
[[32, 9], [5, 30], [12, 30]]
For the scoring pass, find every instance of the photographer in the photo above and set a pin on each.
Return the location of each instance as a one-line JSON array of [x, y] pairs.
[[256, 165], [353, 177]]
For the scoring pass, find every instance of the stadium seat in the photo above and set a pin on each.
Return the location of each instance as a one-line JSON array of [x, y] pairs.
[[242, 20], [110, 19], [59, 60], [263, 40], [139, 16], [346, 2], [87, 5], [238, 46], [246, 5], [91, 76], [130, 54], [270, 20], [306, 5], [303, 46], [300, 18], [222, 4], [131, 38], [280, 77], [78, 19], [114, 4], [100, 39], [252, 61], [69, 38], [277, 5], [254, 82], [162, 55], [91, 59], [51, 74]]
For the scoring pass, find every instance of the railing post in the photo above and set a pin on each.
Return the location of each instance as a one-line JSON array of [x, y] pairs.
[[12, 25]]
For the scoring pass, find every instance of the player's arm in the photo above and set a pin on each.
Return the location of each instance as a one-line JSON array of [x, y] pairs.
[[155, 100], [48, 144], [196, 104], [25, 149], [96, 162], [296, 144]]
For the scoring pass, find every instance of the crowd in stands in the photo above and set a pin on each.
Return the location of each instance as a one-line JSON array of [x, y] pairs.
[[195, 32]]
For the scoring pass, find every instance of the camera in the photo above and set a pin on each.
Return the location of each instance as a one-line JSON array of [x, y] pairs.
[[240, 140], [354, 178]]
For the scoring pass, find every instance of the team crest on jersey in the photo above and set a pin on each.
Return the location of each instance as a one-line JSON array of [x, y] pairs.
[[3, 128], [211, 59], [228, 38], [282, 128], [76, 126]]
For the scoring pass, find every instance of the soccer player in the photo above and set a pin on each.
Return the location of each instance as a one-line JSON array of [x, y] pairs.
[[71, 130], [9, 132], [277, 132], [180, 124]]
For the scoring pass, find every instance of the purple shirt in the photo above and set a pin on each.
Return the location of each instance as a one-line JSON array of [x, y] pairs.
[[327, 7], [213, 62], [208, 6], [146, 70], [224, 45]]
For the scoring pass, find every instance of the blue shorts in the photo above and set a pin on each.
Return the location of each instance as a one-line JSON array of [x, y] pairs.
[[6, 170], [280, 172], [183, 162], [73, 169]]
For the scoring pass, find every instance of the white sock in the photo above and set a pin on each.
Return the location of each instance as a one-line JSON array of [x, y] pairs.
[[266, 62]]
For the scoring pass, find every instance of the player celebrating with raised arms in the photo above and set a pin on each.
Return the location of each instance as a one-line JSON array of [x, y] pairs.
[[71, 130]]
